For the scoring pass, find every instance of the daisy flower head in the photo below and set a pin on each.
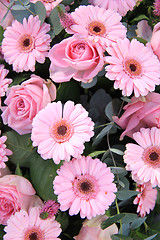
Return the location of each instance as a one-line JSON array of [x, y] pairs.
[[49, 4], [120, 6], [29, 226], [144, 159], [49, 209], [61, 131], [133, 66], [4, 152], [146, 199], [84, 185], [98, 24], [26, 43], [4, 82]]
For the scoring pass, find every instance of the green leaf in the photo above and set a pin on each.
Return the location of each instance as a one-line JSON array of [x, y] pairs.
[[120, 236], [68, 91], [1, 232], [19, 145], [139, 18], [151, 237], [129, 217], [42, 174], [112, 220], [138, 222], [118, 170], [1, 34], [96, 153], [18, 170], [126, 194]]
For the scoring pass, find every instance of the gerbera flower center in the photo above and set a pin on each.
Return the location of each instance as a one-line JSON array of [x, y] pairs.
[[26, 43], [96, 28], [151, 156], [49, 1], [85, 186], [132, 67], [34, 234], [61, 131]]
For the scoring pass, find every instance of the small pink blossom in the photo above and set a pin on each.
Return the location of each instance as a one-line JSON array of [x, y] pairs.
[[3, 9], [29, 226], [84, 185], [4, 152], [146, 199], [141, 112], [60, 131], [25, 101], [143, 158], [156, 7], [97, 24], [91, 229], [4, 82], [75, 57], [16, 193], [133, 66], [24, 44], [49, 209], [120, 6]]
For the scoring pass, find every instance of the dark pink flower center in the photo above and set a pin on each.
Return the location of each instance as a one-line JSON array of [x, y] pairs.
[[132, 67], [96, 28], [61, 131], [34, 233], [26, 43], [151, 156]]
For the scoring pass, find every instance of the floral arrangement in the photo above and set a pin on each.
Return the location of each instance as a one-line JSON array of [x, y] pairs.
[[80, 119]]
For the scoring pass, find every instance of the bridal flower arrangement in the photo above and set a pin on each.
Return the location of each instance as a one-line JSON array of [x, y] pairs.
[[80, 119]]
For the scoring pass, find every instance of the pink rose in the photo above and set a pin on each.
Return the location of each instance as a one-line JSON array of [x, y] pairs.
[[9, 18], [16, 193], [75, 57], [91, 229], [141, 112], [25, 101], [155, 40]]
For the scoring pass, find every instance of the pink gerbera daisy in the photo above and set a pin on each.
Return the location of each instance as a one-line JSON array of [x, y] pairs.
[[146, 199], [133, 66], [144, 159], [84, 185], [60, 131], [98, 24], [29, 226], [4, 152], [120, 6], [26, 43], [49, 4], [4, 82]]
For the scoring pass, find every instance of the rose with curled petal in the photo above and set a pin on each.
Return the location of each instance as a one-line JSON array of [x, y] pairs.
[[16, 193], [141, 112], [25, 101], [75, 57]]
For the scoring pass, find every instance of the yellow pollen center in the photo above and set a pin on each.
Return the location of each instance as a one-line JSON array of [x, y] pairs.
[[26, 43], [96, 28], [132, 67]]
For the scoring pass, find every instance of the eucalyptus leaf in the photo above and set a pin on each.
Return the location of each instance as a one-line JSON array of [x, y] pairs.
[[129, 218], [55, 21], [111, 220], [118, 170], [126, 194], [138, 222], [117, 151], [151, 237], [1, 33], [96, 153], [40, 10], [18, 7], [103, 133], [90, 84], [122, 237]]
